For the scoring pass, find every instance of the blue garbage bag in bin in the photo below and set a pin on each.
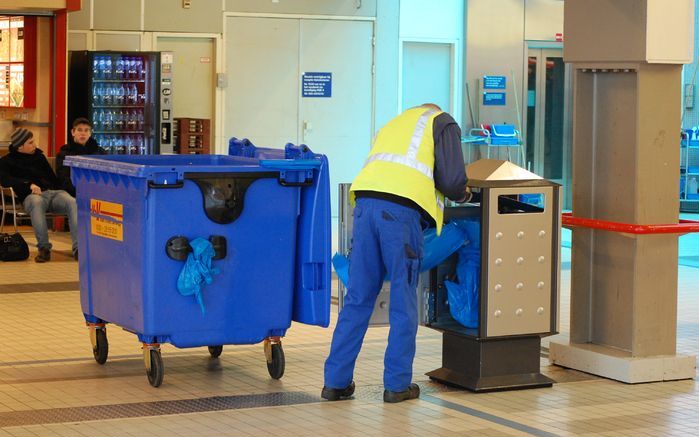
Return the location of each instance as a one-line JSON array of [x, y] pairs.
[[435, 250], [464, 296], [197, 270]]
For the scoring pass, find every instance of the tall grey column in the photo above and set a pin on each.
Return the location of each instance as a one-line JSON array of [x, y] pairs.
[[627, 59]]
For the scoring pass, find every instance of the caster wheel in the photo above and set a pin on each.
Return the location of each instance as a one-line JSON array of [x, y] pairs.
[[276, 366], [215, 351], [100, 349], [157, 370]]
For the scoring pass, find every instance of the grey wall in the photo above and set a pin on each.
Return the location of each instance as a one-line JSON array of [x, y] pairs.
[[203, 16], [80, 20], [117, 15], [494, 46], [364, 8], [543, 19], [497, 32], [386, 58], [691, 115]]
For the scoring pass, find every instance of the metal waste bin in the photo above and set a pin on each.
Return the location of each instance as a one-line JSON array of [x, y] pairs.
[[520, 221]]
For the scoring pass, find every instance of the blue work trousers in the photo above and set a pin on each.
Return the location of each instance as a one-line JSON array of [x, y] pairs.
[[386, 237]]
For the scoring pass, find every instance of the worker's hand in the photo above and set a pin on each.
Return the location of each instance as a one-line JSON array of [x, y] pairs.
[[35, 189], [467, 195]]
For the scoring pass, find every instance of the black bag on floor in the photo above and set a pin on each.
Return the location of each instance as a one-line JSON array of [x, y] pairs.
[[13, 247]]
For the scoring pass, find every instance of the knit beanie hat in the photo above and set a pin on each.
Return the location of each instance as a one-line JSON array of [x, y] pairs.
[[19, 137]]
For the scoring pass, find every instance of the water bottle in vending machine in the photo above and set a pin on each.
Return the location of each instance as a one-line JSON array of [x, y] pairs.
[[107, 94], [107, 74], [119, 69], [692, 185], [95, 120], [96, 67], [139, 120], [140, 68], [102, 66]]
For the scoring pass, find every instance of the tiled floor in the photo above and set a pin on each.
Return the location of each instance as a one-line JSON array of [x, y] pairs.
[[50, 384]]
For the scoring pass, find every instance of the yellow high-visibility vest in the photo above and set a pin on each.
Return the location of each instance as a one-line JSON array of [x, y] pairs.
[[401, 162]]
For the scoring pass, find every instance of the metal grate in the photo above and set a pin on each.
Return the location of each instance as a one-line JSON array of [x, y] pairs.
[[159, 408], [35, 287]]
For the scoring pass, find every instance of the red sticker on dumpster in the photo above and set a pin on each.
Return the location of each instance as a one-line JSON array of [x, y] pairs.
[[106, 219]]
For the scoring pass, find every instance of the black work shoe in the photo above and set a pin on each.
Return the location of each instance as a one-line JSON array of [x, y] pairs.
[[337, 394], [412, 392], [43, 256]]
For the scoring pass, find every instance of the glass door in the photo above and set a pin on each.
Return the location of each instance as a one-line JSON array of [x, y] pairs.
[[547, 112]]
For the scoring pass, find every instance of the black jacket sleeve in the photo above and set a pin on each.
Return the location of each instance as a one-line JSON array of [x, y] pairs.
[[63, 173], [7, 179], [449, 170]]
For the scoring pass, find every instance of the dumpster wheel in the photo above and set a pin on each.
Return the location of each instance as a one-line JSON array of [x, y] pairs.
[[100, 345], [215, 351], [275, 358], [154, 364]]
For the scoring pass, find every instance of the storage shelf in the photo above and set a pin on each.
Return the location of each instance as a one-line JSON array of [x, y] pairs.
[[119, 80], [117, 106], [118, 132], [689, 170]]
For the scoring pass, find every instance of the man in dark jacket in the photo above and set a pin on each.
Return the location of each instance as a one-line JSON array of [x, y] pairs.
[[81, 144], [27, 171]]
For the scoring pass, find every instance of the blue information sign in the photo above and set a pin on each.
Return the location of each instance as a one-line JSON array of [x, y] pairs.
[[494, 99], [316, 85], [494, 82]]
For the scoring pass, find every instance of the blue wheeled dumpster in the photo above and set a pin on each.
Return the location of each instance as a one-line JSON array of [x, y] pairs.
[[268, 219]]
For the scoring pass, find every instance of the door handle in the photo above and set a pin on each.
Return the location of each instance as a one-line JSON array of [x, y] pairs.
[[307, 128]]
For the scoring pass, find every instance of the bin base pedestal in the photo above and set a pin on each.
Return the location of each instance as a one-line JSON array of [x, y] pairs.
[[621, 366], [483, 365]]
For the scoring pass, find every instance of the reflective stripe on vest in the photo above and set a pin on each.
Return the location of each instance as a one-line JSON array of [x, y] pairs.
[[410, 157]]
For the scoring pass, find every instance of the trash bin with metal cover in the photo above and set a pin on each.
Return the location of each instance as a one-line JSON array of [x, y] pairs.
[[519, 216], [268, 221]]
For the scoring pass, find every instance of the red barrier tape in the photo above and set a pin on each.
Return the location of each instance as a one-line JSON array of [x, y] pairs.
[[683, 227]]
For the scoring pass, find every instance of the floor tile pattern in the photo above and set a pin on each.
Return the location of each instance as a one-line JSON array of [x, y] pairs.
[[51, 386]]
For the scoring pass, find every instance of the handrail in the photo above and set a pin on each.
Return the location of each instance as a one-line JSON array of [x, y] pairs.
[[683, 227]]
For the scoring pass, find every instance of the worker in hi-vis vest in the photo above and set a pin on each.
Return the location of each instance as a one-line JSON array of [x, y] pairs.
[[416, 160]]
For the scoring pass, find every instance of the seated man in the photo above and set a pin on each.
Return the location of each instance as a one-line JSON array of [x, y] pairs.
[[27, 171], [82, 143]]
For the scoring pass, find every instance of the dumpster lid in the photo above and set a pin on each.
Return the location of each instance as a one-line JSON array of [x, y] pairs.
[[497, 173], [146, 166]]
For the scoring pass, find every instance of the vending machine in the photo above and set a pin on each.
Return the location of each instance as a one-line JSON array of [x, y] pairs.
[[127, 96]]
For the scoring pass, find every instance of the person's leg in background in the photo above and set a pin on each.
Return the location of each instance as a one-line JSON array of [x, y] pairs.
[[401, 246], [366, 274], [36, 206], [64, 203]]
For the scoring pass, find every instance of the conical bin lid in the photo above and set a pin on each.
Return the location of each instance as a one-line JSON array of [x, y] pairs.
[[496, 172]]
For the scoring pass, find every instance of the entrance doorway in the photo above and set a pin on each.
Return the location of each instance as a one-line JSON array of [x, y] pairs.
[[547, 112]]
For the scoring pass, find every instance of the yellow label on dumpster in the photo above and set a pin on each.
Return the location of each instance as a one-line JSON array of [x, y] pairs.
[[107, 228], [106, 219]]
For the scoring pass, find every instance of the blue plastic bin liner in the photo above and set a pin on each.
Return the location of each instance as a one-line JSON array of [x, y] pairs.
[[435, 249], [197, 270], [277, 266], [463, 295]]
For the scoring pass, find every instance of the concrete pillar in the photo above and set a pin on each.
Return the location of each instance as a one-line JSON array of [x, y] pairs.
[[627, 60]]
